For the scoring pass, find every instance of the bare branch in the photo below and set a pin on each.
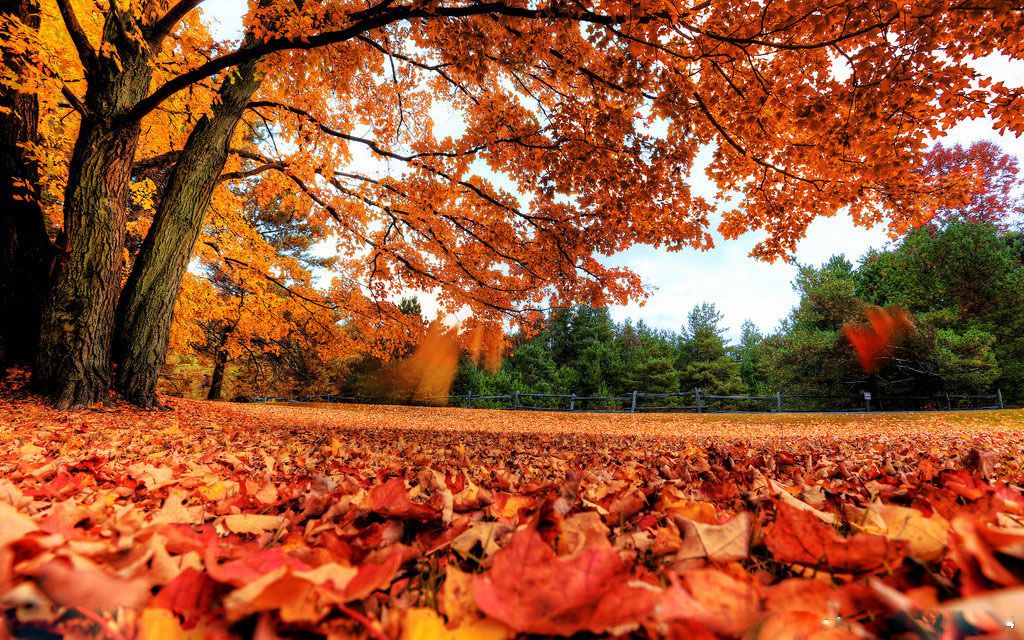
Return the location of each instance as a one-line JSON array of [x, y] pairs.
[[72, 99], [170, 157]]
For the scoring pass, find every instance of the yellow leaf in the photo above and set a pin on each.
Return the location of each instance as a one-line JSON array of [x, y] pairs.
[[425, 624], [161, 624], [30, 449], [251, 523], [926, 538], [219, 490]]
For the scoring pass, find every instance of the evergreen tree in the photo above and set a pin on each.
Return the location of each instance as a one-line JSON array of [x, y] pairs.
[[574, 329], [703, 359], [962, 279], [749, 354]]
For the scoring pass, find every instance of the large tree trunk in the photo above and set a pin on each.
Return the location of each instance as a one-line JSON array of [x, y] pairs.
[[73, 364], [26, 253], [220, 362], [146, 307]]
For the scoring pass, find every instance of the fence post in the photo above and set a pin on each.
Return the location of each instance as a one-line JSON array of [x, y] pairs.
[[572, 402], [867, 402], [949, 403], [999, 394], [778, 402], [632, 408], [515, 402], [469, 400], [696, 393]]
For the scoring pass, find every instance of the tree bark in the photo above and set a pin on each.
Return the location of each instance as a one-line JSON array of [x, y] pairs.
[[146, 308], [217, 380], [26, 253], [73, 364]]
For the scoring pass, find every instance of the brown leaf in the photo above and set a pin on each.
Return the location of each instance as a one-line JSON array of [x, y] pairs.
[[721, 543], [581, 530], [624, 505]]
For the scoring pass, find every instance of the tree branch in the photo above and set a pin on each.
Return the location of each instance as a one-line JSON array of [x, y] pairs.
[[375, 20], [246, 173], [764, 163], [86, 53], [170, 157], [72, 99], [162, 27]]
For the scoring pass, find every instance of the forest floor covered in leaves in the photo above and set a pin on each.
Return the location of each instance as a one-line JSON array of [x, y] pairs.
[[265, 521]]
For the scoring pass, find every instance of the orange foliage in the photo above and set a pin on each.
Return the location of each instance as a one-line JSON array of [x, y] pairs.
[[233, 521], [872, 342], [568, 133], [426, 376]]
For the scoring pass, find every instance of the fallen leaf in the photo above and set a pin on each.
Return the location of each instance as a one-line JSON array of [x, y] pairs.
[[926, 538], [721, 543], [531, 590], [251, 523], [801, 537]]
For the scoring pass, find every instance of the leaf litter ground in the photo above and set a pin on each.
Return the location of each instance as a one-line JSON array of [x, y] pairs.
[[338, 521]]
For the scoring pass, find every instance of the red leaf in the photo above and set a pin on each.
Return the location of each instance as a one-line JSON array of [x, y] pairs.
[[801, 537], [533, 591], [391, 499]]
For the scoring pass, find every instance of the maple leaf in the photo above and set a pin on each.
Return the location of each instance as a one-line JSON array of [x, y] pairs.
[[872, 342], [392, 499], [532, 590], [75, 582], [298, 596], [799, 536], [724, 542], [926, 538]]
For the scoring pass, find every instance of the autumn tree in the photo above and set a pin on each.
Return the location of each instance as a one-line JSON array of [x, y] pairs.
[[252, 301], [26, 253], [592, 111], [992, 175]]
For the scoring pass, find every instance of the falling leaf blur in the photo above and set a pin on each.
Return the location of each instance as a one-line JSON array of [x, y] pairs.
[[485, 342], [872, 342]]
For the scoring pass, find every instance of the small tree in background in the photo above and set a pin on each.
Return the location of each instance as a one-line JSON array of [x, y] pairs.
[[702, 355]]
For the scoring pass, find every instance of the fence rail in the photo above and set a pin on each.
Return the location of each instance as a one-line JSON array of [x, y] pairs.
[[702, 402]]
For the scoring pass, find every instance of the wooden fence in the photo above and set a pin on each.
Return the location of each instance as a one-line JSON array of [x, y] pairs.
[[695, 401]]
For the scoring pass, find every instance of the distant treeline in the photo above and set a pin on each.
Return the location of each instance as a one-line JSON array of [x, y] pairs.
[[962, 282]]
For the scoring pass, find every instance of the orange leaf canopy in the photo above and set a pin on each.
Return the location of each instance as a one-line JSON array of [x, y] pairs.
[[494, 151]]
